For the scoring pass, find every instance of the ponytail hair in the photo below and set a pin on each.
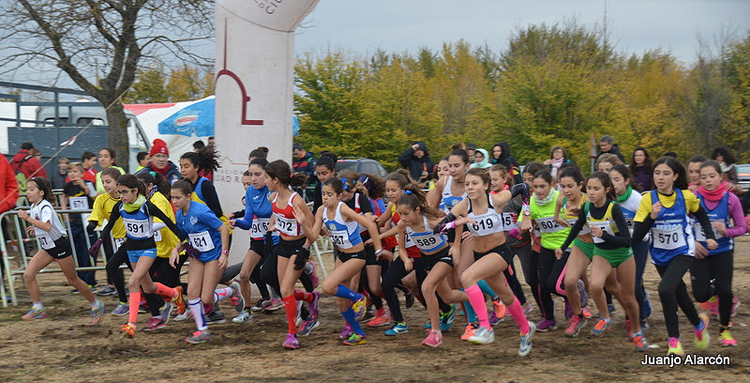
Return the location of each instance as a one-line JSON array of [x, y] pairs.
[[280, 169], [259, 152], [335, 184], [112, 173], [260, 161], [603, 177], [677, 168], [132, 182], [327, 159], [575, 173], [461, 153], [351, 178], [205, 159], [155, 178], [414, 198], [545, 175], [401, 177], [184, 187], [45, 186], [500, 168], [112, 155], [374, 185]]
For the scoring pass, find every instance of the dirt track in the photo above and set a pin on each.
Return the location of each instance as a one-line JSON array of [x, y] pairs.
[[65, 348]]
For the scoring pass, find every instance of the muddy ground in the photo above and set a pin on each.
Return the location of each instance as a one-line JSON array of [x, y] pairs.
[[65, 348]]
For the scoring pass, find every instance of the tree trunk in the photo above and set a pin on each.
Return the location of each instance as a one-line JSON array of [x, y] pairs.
[[118, 134]]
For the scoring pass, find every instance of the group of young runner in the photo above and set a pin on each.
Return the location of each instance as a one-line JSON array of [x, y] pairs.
[[452, 247]]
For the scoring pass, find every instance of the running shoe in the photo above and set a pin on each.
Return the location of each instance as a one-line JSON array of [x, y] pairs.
[[735, 305], [215, 317], [499, 308], [611, 308], [121, 309], [409, 299], [345, 333], [726, 339], [238, 301], [379, 321], [165, 312], [576, 324], [97, 313], [702, 337], [398, 328], [524, 344], [482, 336], [527, 308], [307, 326], [179, 301], [600, 327], [106, 291], [469, 331], [639, 341], [315, 305], [644, 326], [143, 308], [262, 305], [675, 347], [446, 320], [34, 314], [355, 340], [568, 310], [360, 307], [494, 320], [291, 342], [275, 305], [128, 330], [587, 312], [298, 319], [245, 316], [186, 315], [582, 293], [198, 337], [154, 323], [433, 339], [313, 274], [546, 325], [711, 305]]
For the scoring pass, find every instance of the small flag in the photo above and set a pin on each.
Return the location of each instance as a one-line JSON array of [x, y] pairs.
[[69, 142]]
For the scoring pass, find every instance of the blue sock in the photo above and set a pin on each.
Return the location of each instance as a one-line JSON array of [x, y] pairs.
[[346, 293], [486, 289], [471, 315], [700, 326], [349, 317]]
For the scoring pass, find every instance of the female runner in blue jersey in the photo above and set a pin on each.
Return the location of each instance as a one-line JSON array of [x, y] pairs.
[[210, 237], [342, 222]]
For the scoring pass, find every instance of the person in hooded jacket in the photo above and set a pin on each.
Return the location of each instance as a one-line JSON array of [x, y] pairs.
[[501, 155], [417, 160], [481, 159], [607, 145]]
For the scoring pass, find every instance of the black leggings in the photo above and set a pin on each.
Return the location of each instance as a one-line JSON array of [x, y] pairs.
[[550, 269], [269, 275], [364, 285], [115, 274], [513, 281], [161, 271], [529, 265], [673, 292], [718, 268], [392, 279]]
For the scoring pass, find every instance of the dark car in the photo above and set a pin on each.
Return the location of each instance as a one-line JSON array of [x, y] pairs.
[[743, 175], [361, 165]]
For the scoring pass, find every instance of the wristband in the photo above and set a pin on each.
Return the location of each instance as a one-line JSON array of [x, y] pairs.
[[378, 252], [225, 252]]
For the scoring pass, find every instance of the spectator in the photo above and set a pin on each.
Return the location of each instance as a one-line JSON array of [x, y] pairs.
[[481, 159], [198, 145], [25, 162], [501, 155], [211, 141], [88, 160], [641, 166], [471, 148], [557, 157], [607, 145], [160, 162], [726, 160], [417, 160], [304, 161], [8, 198], [58, 178], [143, 159]]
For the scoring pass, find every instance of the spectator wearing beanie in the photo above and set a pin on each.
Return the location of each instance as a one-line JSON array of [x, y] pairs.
[[160, 162]]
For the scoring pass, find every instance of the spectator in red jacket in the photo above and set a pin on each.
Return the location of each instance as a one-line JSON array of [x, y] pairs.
[[25, 162], [8, 197]]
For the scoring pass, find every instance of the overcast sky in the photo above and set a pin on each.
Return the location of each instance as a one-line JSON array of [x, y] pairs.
[[634, 26]]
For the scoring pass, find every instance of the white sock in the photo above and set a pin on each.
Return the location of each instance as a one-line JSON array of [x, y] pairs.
[[220, 294], [196, 306], [37, 306]]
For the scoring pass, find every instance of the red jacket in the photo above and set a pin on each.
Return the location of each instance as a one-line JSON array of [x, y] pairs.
[[31, 167], [8, 186]]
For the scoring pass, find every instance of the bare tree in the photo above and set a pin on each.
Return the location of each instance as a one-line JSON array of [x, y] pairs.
[[100, 44]]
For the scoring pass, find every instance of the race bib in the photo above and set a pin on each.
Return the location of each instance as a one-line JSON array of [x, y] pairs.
[[507, 219], [427, 242], [700, 235], [669, 238], [288, 226], [409, 242], [584, 230], [117, 242], [548, 225], [157, 236], [340, 238], [137, 228], [259, 227], [45, 241], [201, 241], [79, 203], [605, 226]]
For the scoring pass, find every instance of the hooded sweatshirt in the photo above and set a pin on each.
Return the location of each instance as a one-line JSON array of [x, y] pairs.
[[509, 161], [417, 165], [485, 162]]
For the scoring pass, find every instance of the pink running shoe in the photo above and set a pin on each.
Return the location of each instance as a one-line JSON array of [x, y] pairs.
[[291, 342], [434, 339]]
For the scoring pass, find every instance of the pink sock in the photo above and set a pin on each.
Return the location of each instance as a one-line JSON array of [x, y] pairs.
[[164, 291], [516, 311], [476, 298]]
